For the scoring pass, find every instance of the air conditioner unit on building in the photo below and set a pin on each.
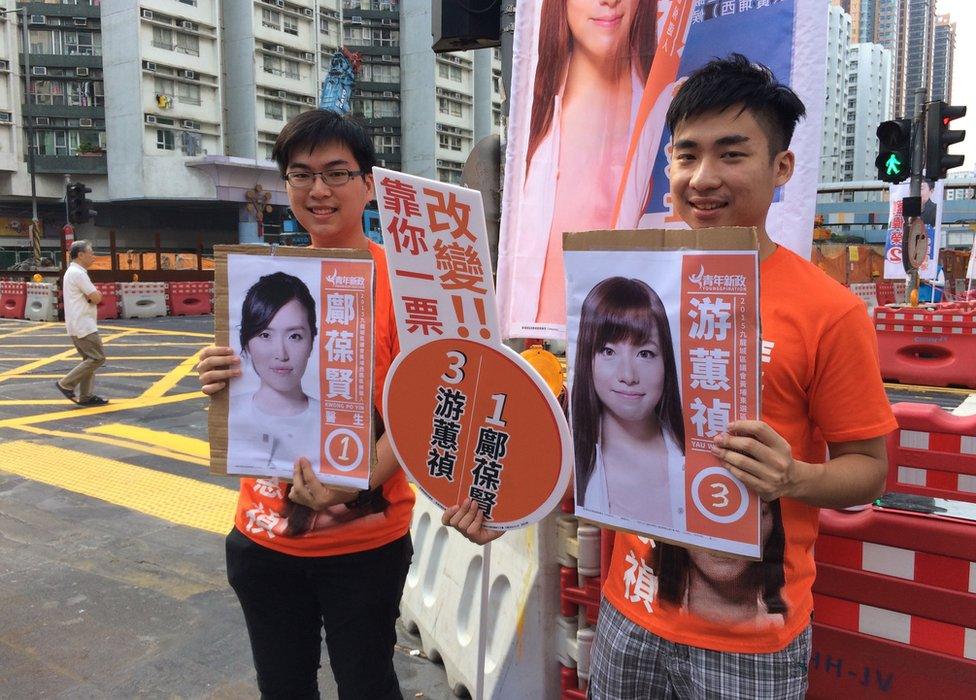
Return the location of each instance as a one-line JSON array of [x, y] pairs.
[[189, 124], [5, 116], [147, 14], [310, 100], [309, 56], [39, 70], [387, 93], [186, 24], [149, 66], [308, 11], [4, 65], [281, 93], [81, 71], [279, 49], [387, 57], [279, 3], [80, 21], [37, 19], [42, 121], [189, 74], [85, 121], [387, 22], [150, 119]]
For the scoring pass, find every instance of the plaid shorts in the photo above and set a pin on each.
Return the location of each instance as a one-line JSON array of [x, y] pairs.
[[630, 663]]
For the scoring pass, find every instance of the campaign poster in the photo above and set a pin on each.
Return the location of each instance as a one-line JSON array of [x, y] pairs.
[[589, 154], [467, 417], [302, 324], [932, 197], [663, 353]]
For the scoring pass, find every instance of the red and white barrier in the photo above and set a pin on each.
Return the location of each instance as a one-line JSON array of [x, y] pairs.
[[895, 606], [935, 346], [13, 299], [190, 298], [143, 299], [866, 292], [111, 304], [933, 453]]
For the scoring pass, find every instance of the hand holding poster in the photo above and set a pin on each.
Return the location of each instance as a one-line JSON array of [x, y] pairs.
[[612, 129], [302, 322], [664, 355], [467, 417]]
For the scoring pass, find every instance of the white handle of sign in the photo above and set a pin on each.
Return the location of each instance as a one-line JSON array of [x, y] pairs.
[[479, 680]]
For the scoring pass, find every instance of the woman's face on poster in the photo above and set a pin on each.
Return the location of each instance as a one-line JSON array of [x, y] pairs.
[[600, 27], [629, 378], [728, 569], [280, 352]]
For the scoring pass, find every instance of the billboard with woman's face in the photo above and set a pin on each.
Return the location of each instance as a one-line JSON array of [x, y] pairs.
[[587, 146]]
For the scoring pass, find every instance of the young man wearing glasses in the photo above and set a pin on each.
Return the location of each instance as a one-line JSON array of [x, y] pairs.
[[334, 559]]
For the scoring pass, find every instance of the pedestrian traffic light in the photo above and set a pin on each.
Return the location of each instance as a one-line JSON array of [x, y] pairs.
[[938, 138], [79, 206], [894, 161]]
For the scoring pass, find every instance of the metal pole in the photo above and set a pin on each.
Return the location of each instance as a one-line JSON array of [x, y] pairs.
[[28, 123], [915, 189]]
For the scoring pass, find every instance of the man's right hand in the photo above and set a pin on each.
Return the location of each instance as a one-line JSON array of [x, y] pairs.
[[468, 519], [216, 366]]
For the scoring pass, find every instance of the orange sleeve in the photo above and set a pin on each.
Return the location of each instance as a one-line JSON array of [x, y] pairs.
[[847, 397]]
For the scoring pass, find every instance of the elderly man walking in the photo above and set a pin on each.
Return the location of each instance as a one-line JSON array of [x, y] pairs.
[[80, 318]]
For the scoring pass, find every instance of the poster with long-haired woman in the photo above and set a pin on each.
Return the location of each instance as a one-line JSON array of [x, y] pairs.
[[587, 146]]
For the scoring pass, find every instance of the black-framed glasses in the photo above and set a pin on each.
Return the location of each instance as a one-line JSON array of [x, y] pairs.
[[302, 180]]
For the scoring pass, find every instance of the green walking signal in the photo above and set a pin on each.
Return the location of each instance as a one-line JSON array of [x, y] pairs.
[[894, 150]]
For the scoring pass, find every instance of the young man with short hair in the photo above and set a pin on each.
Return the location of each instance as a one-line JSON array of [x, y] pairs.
[[314, 566], [81, 301], [712, 628]]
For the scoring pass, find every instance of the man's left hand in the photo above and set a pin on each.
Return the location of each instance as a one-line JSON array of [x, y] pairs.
[[759, 457], [307, 490]]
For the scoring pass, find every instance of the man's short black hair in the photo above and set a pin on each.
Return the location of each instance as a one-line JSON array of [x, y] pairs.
[[727, 82], [319, 127], [77, 248]]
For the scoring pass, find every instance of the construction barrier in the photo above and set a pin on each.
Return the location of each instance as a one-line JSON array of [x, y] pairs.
[[895, 606], [441, 602], [933, 453], [935, 345], [13, 299], [42, 301], [190, 298], [111, 304], [866, 292], [143, 299]]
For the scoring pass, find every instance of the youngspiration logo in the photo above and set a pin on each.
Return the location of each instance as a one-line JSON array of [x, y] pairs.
[[337, 280], [717, 283]]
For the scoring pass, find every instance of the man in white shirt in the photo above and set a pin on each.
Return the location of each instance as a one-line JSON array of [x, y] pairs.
[[80, 318]]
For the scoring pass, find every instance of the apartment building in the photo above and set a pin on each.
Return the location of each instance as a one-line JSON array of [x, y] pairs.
[[868, 86], [835, 108], [943, 53]]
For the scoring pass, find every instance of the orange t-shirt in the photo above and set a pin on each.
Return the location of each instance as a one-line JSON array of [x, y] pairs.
[[263, 510], [821, 383]]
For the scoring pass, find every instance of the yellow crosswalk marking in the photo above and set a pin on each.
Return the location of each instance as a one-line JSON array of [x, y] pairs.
[[172, 441], [176, 499]]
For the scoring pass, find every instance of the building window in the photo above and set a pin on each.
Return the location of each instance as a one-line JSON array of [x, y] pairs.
[[290, 25], [165, 87], [163, 38], [449, 72], [165, 141], [188, 44], [270, 19], [449, 142], [188, 93], [274, 110], [448, 106]]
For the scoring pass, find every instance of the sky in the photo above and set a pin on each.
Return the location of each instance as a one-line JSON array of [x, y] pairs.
[[963, 13]]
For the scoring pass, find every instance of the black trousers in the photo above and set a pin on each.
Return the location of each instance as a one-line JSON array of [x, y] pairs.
[[287, 600]]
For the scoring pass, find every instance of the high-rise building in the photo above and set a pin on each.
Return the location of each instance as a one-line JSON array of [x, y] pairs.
[[853, 8], [198, 92], [868, 21], [943, 52], [868, 104], [835, 109], [892, 33], [920, 33]]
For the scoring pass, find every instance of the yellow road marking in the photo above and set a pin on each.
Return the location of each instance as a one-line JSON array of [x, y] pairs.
[[48, 360], [100, 374], [127, 444], [172, 378], [115, 405], [20, 331], [112, 357], [171, 441], [160, 331], [115, 345], [177, 499]]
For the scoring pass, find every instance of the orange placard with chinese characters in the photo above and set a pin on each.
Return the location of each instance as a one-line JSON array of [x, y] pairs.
[[347, 372], [467, 417], [720, 385]]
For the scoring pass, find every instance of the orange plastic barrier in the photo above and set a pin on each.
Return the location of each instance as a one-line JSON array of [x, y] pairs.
[[13, 299], [895, 606], [110, 306], [190, 298], [935, 346], [933, 453]]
